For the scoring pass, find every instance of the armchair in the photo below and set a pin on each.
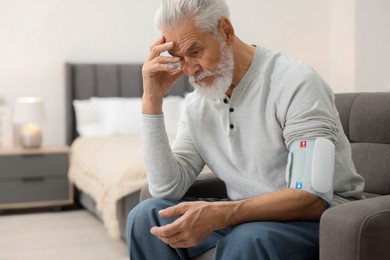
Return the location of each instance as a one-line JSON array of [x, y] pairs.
[[355, 230]]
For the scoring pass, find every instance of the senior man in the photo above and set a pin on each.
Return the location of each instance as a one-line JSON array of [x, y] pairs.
[[263, 122]]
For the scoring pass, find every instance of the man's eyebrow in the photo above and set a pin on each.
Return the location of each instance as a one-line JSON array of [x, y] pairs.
[[194, 45], [189, 49]]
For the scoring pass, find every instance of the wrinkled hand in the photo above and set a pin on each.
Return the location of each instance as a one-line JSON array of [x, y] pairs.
[[160, 72], [197, 220]]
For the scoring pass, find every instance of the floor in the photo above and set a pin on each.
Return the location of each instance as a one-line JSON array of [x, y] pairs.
[[74, 234]]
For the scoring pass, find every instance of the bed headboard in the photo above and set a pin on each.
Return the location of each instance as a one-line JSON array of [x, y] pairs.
[[105, 80]]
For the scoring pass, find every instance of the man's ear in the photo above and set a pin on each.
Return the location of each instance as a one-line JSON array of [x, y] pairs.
[[226, 29]]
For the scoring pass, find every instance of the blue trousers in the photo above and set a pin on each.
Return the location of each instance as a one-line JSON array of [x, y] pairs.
[[253, 240]]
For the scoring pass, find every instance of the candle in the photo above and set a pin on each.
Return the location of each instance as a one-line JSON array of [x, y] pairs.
[[30, 135], [30, 129]]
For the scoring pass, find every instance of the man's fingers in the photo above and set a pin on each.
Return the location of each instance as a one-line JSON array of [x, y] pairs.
[[158, 49], [160, 41], [158, 67], [173, 211], [166, 231], [167, 59], [175, 240], [162, 48], [177, 73], [181, 244]]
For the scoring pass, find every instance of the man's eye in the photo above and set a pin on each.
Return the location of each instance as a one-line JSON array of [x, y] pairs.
[[195, 52]]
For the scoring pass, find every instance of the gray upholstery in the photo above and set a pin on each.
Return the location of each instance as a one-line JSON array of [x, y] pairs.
[[123, 207], [369, 119], [370, 163], [361, 229], [358, 230]]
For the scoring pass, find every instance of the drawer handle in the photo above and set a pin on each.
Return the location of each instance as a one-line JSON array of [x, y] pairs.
[[33, 179]]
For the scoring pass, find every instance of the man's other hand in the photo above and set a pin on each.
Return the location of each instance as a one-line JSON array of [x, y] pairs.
[[197, 220]]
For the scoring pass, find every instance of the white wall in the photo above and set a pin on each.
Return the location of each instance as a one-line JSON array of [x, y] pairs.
[[38, 37], [373, 45], [299, 27], [342, 43]]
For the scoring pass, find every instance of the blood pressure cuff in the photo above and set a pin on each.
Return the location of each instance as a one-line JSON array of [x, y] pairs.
[[310, 167]]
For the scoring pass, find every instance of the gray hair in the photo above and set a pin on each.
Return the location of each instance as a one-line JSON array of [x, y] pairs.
[[206, 13]]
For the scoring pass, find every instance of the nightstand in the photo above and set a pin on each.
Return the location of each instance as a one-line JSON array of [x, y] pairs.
[[34, 178]]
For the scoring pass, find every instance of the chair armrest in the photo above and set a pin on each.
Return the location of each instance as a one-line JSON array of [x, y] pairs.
[[356, 230], [207, 185]]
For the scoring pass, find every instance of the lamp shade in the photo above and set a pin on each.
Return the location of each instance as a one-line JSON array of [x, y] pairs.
[[29, 110]]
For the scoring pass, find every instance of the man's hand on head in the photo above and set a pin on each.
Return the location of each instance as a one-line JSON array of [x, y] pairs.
[[158, 73]]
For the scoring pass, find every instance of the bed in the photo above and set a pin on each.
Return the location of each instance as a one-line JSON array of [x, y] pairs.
[[109, 198]]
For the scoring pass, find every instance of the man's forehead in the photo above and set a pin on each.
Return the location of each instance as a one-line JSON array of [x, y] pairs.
[[184, 37], [182, 46]]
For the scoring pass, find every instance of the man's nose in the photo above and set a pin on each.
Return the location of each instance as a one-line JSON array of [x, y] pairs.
[[190, 66]]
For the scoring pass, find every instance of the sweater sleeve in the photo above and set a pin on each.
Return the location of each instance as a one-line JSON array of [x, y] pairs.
[[309, 110], [310, 114], [170, 172]]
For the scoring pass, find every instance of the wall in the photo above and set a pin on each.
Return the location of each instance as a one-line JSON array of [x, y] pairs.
[[372, 45], [342, 45], [299, 27], [38, 37]]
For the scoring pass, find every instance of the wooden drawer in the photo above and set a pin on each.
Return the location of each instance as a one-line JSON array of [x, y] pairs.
[[33, 190], [33, 165]]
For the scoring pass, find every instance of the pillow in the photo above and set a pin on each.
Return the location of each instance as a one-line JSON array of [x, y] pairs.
[[119, 116], [87, 120]]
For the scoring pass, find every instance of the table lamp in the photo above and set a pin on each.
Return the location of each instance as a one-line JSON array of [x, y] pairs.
[[28, 114]]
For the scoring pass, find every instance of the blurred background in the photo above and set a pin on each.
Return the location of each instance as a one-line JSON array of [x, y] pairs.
[[346, 41]]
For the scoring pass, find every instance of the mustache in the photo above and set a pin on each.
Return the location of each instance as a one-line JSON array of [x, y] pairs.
[[204, 74]]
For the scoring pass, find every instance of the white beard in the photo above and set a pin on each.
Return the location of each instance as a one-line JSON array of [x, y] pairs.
[[223, 77]]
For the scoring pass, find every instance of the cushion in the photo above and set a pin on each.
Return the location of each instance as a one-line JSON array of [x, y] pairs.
[[121, 116], [369, 120], [87, 120], [372, 162], [344, 102]]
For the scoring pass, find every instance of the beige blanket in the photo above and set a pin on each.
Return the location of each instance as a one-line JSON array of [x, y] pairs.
[[107, 168]]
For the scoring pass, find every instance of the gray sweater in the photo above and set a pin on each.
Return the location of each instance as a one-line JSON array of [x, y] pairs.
[[245, 139]]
